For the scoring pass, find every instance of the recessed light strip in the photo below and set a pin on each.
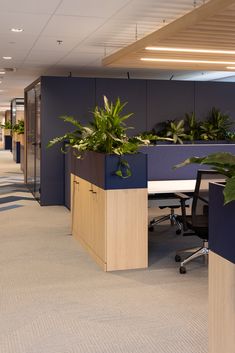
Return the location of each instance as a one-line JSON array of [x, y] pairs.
[[189, 50], [231, 67], [190, 61]]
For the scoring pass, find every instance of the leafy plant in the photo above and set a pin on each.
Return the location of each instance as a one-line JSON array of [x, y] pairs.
[[105, 134], [220, 121], [71, 138], [208, 131], [192, 127], [224, 163], [175, 130], [7, 125], [19, 127], [230, 135], [216, 126], [152, 137]]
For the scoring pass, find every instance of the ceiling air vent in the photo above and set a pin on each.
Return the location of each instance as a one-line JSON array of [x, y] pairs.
[[10, 69]]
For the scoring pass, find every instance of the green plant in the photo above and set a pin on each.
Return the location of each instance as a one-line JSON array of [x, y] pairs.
[[7, 125], [216, 126], [221, 122], [105, 134], [175, 130], [71, 138], [192, 127], [19, 127], [208, 131], [230, 136], [152, 137], [224, 163]]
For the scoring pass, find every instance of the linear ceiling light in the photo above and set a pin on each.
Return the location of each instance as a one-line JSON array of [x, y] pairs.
[[189, 61], [7, 57], [230, 67], [188, 50], [2, 72]]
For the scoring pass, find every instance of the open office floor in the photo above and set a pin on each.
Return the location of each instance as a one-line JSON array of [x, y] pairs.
[[54, 298]]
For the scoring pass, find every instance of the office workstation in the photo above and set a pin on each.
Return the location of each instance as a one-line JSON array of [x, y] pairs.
[[100, 233]]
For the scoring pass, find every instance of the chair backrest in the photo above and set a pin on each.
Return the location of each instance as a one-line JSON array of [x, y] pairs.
[[201, 194]]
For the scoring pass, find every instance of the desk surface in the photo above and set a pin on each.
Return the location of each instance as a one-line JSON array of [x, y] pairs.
[[170, 186]]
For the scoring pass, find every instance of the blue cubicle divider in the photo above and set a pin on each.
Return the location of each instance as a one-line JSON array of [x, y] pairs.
[[221, 224], [162, 158]]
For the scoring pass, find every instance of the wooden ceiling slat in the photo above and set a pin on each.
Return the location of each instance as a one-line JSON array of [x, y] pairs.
[[211, 26]]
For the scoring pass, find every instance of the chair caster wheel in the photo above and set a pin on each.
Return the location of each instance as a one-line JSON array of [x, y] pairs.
[[177, 258], [151, 229], [182, 270], [178, 231]]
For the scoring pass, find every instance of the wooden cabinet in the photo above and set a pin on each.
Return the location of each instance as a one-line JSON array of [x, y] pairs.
[[110, 224]]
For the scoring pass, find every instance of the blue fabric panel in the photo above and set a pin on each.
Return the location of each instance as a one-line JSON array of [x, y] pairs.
[[221, 224], [162, 158]]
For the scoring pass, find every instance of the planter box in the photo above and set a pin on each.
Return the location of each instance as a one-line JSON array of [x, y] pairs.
[[99, 169], [109, 214]]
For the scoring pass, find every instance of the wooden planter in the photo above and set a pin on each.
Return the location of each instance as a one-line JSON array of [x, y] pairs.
[[221, 272], [109, 214]]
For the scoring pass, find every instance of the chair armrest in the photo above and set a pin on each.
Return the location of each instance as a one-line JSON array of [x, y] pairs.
[[183, 198]]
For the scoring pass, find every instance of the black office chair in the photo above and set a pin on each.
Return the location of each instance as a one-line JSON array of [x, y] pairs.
[[171, 202], [197, 222]]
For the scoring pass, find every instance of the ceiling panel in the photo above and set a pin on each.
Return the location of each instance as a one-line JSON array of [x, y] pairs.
[[91, 8], [72, 26], [31, 23], [79, 59], [45, 43], [30, 6]]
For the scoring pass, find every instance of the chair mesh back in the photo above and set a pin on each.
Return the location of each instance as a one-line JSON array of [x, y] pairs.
[[201, 196]]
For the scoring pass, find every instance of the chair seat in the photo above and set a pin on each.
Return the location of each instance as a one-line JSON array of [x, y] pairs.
[[199, 226]]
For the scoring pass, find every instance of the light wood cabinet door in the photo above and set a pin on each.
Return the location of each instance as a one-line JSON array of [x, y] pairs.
[[98, 222]]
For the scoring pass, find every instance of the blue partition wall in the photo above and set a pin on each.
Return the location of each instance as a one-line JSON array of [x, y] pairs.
[[150, 102], [162, 159]]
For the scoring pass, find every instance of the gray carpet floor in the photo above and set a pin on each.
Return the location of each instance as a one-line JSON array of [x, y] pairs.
[[54, 298]]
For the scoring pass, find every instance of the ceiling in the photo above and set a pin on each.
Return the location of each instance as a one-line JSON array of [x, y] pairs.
[[73, 36], [202, 39]]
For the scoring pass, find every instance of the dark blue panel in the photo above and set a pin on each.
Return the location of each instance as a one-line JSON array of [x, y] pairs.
[[168, 100], [221, 224], [60, 96], [162, 158], [17, 152], [214, 94], [7, 142], [67, 175], [99, 169], [131, 91]]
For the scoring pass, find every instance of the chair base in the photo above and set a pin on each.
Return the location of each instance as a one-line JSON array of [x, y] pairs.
[[172, 217], [199, 252]]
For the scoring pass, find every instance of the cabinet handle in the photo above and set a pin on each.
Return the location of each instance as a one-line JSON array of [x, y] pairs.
[[93, 192]]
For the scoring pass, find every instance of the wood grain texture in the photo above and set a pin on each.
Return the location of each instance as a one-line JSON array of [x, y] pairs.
[[210, 26], [110, 224], [221, 305], [127, 229]]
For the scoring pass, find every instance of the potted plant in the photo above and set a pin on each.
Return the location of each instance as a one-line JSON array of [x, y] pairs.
[[18, 131], [109, 189], [105, 139], [7, 128], [224, 163]]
